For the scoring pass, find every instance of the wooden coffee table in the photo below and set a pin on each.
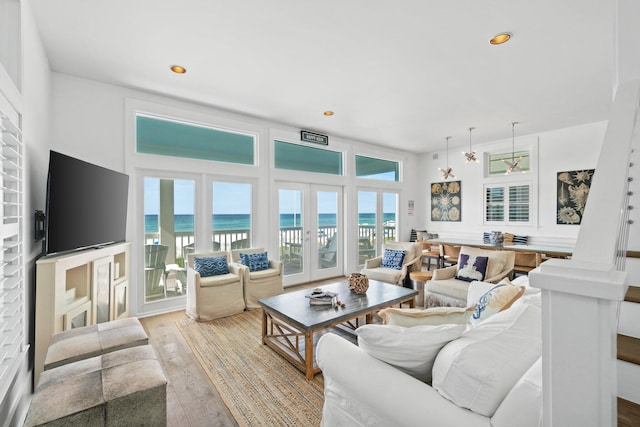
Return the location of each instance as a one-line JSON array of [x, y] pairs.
[[289, 321]]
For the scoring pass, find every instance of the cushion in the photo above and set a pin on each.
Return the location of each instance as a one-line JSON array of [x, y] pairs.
[[499, 297], [471, 267], [409, 317], [477, 370], [524, 401], [393, 259], [411, 350], [521, 240], [486, 237], [211, 266], [256, 262]]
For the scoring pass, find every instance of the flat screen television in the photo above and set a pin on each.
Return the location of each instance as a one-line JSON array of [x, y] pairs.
[[86, 205]]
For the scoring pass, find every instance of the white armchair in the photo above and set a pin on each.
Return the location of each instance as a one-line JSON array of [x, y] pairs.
[[444, 289], [214, 296], [373, 268], [258, 284]]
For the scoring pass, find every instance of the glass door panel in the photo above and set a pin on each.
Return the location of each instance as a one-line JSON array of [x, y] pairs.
[[367, 208], [169, 235], [327, 202], [390, 208], [231, 216], [292, 232]]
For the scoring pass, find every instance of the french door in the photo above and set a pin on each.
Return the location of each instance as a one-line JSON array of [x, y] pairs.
[[310, 232]]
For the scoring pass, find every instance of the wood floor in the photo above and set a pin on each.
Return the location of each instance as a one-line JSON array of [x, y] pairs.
[[192, 400]]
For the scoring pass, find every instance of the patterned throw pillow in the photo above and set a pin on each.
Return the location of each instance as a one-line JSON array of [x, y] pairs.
[[255, 262], [393, 259], [471, 267], [486, 237], [498, 298], [213, 266]]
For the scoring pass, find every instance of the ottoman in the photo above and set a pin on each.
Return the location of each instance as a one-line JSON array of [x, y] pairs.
[[121, 388], [89, 341]]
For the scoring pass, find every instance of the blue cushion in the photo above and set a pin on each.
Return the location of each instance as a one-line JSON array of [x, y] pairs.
[[486, 237], [212, 266], [471, 268], [393, 259], [255, 262]]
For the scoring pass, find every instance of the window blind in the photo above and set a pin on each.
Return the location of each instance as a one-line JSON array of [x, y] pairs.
[[307, 159], [372, 168], [180, 139], [12, 305], [507, 203]]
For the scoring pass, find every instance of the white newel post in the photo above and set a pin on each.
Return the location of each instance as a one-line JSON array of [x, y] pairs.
[[579, 326]]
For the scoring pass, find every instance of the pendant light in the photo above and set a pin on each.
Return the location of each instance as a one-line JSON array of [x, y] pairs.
[[471, 155], [513, 165], [446, 173]]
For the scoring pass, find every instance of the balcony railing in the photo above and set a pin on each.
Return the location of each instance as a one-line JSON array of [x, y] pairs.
[[232, 239]]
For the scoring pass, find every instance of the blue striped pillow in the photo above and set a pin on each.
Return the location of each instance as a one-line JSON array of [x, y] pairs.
[[521, 240], [486, 237], [211, 266]]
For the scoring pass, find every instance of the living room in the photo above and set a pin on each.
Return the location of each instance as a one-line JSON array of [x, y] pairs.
[[93, 120]]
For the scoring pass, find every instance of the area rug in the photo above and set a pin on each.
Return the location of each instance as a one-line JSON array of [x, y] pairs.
[[259, 387]]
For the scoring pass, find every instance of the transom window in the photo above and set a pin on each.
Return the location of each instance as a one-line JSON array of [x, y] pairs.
[[372, 168], [307, 159], [180, 139], [498, 163]]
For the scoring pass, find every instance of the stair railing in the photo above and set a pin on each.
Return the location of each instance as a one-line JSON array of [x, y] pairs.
[[581, 296]]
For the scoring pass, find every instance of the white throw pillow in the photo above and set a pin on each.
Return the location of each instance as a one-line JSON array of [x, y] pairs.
[[411, 350], [409, 317], [477, 370], [489, 302]]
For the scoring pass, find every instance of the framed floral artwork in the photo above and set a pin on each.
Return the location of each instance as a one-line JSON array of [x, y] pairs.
[[446, 201], [573, 191]]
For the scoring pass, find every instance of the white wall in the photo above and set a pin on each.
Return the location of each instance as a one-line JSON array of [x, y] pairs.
[[572, 148], [90, 121]]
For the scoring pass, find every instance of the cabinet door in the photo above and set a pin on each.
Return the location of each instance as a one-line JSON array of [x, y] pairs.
[[120, 301], [101, 286]]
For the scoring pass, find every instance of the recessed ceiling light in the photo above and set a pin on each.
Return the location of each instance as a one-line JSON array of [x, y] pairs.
[[328, 113], [178, 69], [500, 38]]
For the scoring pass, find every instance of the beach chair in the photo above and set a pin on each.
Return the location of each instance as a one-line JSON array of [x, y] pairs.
[[154, 270]]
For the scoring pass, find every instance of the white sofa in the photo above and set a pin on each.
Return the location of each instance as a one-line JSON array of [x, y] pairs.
[[490, 376]]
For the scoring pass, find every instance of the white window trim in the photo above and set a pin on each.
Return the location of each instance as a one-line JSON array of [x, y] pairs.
[[530, 177]]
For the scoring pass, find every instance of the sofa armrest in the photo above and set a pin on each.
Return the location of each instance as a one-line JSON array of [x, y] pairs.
[[352, 384], [499, 277], [445, 273], [236, 268], [373, 262]]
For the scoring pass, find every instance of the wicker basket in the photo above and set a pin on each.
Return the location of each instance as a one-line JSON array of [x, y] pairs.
[[358, 283]]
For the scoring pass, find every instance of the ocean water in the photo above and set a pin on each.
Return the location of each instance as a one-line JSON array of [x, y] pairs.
[[221, 222]]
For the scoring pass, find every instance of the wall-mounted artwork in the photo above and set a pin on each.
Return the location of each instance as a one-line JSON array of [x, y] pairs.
[[573, 191], [446, 201]]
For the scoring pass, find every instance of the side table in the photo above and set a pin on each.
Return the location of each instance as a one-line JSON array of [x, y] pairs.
[[418, 279]]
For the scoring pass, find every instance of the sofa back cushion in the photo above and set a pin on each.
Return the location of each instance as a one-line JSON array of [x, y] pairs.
[[477, 370], [411, 350], [524, 401]]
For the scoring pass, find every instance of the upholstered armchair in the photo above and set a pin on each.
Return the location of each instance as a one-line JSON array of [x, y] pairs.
[[214, 286], [260, 280], [449, 285], [386, 268]]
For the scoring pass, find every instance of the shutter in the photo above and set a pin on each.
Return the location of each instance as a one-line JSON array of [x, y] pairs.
[[12, 314], [519, 203], [494, 204]]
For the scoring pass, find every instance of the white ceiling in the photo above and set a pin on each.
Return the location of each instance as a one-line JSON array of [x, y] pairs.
[[401, 74]]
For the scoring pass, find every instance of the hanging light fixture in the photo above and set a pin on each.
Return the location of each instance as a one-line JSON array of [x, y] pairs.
[[471, 155], [446, 173], [513, 165]]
